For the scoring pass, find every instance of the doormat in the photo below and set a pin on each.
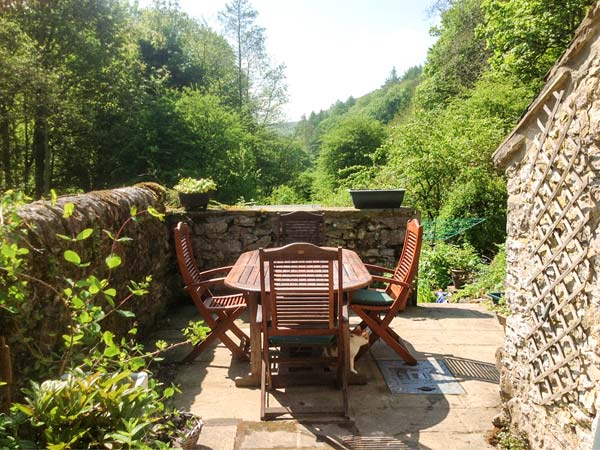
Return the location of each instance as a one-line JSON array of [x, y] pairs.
[[429, 376]]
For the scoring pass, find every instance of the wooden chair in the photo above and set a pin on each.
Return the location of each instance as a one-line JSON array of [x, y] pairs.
[[299, 226], [218, 312], [299, 307], [370, 304]]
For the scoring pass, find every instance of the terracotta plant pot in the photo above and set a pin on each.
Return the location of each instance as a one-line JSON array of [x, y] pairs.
[[377, 198], [459, 277], [195, 200]]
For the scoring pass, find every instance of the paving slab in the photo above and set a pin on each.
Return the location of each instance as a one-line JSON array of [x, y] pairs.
[[466, 333]]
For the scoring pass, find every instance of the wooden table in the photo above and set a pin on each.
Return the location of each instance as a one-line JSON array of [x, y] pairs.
[[245, 276]]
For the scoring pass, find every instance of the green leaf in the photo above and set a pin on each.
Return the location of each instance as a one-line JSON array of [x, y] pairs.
[[111, 292], [109, 234], [111, 351], [107, 337], [62, 236], [77, 302], [154, 213], [72, 257], [68, 210], [125, 313], [169, 392], [133, 211], [137, 363], [84, 234], [113, 260], [53, 197]]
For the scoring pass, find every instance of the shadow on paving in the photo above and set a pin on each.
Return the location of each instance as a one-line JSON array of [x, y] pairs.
[[378, 419]]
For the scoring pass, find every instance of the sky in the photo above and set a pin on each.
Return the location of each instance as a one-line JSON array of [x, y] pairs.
[[334, 49]]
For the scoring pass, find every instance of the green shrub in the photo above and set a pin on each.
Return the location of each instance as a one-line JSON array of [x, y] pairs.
[[489, 279], [96, 404], [435, 264]]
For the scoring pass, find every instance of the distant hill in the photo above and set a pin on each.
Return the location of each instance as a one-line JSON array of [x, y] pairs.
[[284, 128]]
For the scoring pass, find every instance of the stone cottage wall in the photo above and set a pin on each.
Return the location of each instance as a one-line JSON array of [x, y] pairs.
[[550, 363]]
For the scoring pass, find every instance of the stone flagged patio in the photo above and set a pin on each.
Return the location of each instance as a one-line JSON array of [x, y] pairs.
[[467, 334]]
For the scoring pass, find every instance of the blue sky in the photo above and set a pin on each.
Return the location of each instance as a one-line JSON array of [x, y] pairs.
[[334, 49]]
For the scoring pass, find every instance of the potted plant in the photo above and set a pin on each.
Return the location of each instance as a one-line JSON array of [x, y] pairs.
[[463, 262], [377, 198], [195, 193]]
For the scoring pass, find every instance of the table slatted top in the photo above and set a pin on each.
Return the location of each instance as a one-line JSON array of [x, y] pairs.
[[245, 274]]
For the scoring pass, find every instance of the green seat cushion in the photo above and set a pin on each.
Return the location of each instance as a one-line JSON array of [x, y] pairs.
[[301, 340], [370, 297]]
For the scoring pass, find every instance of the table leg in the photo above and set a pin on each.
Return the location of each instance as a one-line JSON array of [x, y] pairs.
[[252, 379]]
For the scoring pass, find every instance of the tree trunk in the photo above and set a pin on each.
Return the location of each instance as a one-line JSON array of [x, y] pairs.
[[5, 143], [41, 153]]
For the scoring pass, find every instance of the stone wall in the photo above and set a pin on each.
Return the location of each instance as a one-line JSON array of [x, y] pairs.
[[219, 236], [550, 362], [148, 253]]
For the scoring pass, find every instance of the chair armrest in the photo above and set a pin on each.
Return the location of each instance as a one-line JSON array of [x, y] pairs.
[[211, 282], [205, 283], [392, 281], [211, 272], [374, 268]]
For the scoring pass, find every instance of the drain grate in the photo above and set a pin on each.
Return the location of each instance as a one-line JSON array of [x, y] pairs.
[[376, 443], [429, 376], [467, 369]]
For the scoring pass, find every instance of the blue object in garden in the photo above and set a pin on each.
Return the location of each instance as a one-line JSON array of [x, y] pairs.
[[441, 297]]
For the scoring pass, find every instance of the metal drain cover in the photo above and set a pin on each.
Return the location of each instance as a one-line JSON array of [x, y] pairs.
[[429, 376]]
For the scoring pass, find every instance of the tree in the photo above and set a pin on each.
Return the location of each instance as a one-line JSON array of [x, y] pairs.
[[261, 88], [346, 147], [527, 36], [458, 57]]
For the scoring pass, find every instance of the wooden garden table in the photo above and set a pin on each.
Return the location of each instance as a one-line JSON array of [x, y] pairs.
[[245, 276]]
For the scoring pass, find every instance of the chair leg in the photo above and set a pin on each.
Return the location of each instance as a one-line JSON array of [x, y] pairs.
[[234, 328], [263, 390], [218, 330], [345, 367], [384, 332]]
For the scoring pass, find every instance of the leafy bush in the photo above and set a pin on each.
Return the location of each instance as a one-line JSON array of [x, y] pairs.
[[436, 262], [490, 278], [90, 400], [87, 411], [284, 195], [195, 186]]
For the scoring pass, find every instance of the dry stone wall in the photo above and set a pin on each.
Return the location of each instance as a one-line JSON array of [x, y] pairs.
[[148, 253], [550, 363], [220, 236]]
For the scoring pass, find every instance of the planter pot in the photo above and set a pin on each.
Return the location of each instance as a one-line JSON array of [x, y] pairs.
[[459, 277], [501, 319], [191, 426], [377, 198], [195, 200]]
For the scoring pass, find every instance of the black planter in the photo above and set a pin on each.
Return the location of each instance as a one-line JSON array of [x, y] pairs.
[[377, 198], [195, 200], [495, 296]]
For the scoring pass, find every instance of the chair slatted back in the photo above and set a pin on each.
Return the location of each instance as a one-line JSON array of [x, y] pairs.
[[301, 299], [409, 260], [185, 255], [299, 226]]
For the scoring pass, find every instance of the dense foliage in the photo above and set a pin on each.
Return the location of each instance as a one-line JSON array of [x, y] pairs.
[[480, 75], [100, 94]]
